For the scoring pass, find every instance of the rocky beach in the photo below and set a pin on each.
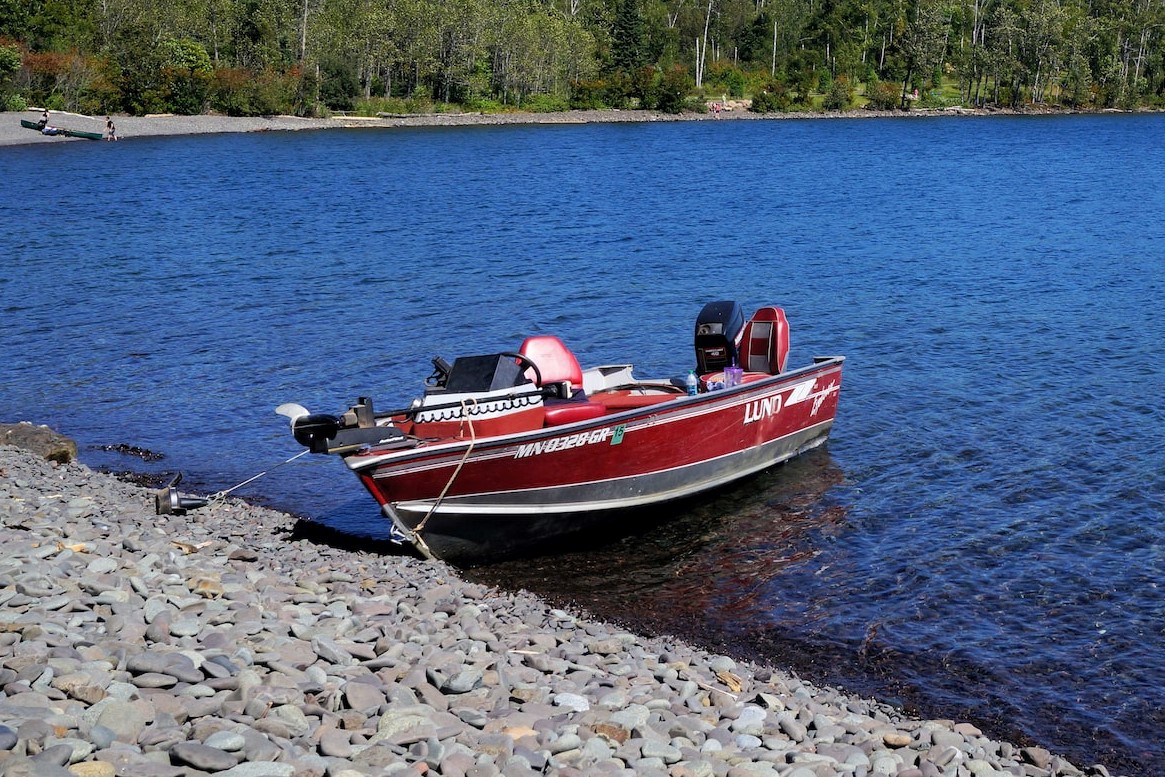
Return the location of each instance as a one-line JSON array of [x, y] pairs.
[[128, 127], [216, 643]]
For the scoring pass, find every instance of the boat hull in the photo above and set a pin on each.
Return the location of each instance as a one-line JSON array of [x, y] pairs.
[[472, 500], [32, 125]]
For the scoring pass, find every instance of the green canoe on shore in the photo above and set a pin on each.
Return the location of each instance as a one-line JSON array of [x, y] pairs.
[[32, 125]]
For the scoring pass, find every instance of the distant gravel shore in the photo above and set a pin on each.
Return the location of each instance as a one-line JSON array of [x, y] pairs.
[[11, 133], [218, 644]]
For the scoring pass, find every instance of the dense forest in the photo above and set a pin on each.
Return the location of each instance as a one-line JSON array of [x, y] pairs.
[[311, 57]]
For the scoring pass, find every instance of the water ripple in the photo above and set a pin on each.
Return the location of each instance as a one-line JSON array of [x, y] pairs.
[[980, 539]]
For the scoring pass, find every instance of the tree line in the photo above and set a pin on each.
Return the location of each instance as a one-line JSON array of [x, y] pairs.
[[308, 57]]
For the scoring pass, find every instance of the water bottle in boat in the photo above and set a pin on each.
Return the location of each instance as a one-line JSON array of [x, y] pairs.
[[693, 383]]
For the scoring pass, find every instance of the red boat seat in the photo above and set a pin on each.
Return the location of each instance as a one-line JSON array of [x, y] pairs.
[[559, 412], [616, 401], [558, 365], [764, 346], [555, 361]]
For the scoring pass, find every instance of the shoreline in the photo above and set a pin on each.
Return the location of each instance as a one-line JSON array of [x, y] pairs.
[[129, 127], [217, 643]]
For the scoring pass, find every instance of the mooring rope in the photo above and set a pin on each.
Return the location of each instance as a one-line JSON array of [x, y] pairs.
[[221, 495], [456, 471]]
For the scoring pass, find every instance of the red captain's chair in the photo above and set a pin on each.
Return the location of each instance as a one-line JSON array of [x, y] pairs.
[[554, 360], [764, 346], [558, 365]]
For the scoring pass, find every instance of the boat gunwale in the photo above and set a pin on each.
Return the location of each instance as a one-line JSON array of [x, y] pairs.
[[710, 401]]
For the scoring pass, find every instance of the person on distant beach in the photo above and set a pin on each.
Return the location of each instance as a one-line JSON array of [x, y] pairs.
[[110, 130], [44, 119]]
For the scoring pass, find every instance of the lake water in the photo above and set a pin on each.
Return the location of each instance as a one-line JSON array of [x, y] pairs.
[[980, 539]]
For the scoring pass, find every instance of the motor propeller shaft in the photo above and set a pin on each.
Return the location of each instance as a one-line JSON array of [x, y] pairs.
[[168, 500]]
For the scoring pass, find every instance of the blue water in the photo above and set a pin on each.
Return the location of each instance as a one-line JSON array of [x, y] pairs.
[[981, 537]]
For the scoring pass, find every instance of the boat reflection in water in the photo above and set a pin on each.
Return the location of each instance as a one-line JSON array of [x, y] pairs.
[[700, 570]]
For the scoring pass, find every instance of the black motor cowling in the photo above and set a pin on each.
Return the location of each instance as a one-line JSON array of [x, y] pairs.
[[718, 332], [313, 431]]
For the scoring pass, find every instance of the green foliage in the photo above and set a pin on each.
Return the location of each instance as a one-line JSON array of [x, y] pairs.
[[229, 91], [273, 93], [339, 87], [726, 78], [10, 60], [933, 99], [674, 87], [185, 77], [588, 94], [642, 85], [545, 103], [374, 106], [14, 16], [884, 95], [840, 95], [802, 69], [186, 92], [736, 83], [309, 56], [922, 42], [694, 104], [773, 96], [270, 93], [484, 105], [629, 37], [186, 55], [756, 40]]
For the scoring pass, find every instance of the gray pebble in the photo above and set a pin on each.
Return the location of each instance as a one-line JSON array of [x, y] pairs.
[[204, 757], [572, 701], [55, 755], [259, 769], [229, 741]]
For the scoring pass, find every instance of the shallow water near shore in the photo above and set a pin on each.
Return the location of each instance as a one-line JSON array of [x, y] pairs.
[[981, 537]]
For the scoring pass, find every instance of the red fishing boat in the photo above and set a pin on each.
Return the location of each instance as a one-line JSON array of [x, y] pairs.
[[509, 452]]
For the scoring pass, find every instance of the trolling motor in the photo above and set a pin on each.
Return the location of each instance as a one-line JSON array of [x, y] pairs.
[[168, 501], [356, 428]]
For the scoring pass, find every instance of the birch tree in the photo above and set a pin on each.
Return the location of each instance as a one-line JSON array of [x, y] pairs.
[[702, 46]]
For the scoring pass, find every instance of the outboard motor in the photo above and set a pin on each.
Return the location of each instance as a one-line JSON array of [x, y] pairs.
[[718, 331], [315, 430]]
